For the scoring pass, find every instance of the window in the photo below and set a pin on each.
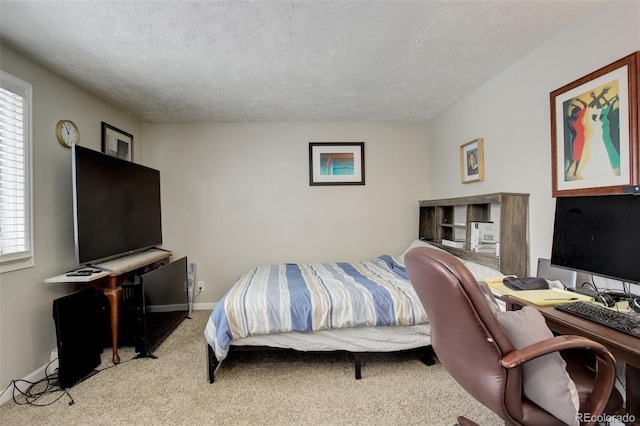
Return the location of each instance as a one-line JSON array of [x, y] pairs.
[[16, 219]]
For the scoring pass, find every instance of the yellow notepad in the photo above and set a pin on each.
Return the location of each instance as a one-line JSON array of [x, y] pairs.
[[495, 284], [554, 296], [496, 280]]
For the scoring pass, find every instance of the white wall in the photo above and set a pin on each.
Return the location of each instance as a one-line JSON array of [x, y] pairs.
[[26, 324], [511, 113], [237, 195]]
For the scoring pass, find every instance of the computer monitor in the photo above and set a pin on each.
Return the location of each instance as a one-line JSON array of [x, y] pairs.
[[598, 235]]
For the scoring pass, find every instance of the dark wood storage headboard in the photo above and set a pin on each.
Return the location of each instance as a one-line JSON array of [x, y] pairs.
[[450, 219]]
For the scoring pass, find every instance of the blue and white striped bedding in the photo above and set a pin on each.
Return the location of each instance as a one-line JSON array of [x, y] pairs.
[[313, 297]]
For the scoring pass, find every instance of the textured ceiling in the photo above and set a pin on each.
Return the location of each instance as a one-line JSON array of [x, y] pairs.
[[238, 61]]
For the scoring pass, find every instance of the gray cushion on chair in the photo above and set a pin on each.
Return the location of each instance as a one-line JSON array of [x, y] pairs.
[[545, 379]]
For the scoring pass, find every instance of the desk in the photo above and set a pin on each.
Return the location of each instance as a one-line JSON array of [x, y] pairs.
[[625, 348], [110, 280]]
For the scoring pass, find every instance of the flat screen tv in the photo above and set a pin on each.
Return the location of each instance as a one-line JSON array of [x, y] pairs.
[[165, 304], [79, 347], [116, 206], [598, 235]]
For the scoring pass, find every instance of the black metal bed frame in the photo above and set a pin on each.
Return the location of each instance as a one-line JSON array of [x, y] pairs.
[[428, 358]]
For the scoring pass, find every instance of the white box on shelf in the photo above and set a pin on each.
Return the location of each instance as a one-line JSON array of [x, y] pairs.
[[483, 236]]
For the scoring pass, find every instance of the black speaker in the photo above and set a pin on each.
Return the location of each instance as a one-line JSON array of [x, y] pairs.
[[77, 335], [631, 189]]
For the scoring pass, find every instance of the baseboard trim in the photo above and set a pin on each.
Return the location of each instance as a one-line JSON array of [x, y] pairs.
[[204, 306]]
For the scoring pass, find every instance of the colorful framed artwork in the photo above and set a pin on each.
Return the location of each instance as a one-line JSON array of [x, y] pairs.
[[117, 143], [594, 131], [336, 163], [472, 161]]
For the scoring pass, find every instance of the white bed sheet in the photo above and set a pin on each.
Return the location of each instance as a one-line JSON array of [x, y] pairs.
[[357, 339]]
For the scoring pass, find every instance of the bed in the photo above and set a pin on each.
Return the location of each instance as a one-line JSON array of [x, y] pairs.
[[355, 307]]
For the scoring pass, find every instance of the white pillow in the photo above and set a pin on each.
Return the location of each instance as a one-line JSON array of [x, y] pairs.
[[545, 380], [479, 272], [414, 244]]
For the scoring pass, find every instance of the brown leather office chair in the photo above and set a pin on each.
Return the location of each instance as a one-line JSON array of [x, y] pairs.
[[473, 346]]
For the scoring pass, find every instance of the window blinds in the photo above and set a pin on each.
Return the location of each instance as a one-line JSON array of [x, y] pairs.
[[14, 232]]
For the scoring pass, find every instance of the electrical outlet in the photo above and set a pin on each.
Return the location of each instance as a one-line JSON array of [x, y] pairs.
[[200, 286]]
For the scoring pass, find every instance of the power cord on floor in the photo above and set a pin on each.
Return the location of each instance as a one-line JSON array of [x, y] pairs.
[[35, 392]]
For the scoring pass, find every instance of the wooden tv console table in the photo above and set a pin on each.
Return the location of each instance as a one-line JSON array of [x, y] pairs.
[[109, 280]]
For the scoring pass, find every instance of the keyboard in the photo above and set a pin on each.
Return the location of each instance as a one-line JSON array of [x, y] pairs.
[[621, 321]]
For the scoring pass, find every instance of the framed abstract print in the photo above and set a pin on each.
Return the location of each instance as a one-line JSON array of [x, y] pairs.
[[594, 131]]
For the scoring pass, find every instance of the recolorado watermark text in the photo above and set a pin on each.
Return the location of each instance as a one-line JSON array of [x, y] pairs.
[[606, 418]]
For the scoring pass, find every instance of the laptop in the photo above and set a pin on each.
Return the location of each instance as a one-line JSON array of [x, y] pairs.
[[553, 273]]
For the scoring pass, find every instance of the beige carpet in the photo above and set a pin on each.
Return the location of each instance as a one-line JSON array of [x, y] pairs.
[[276, 388]]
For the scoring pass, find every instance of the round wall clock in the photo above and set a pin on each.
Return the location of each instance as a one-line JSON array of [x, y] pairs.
[[67, 133]]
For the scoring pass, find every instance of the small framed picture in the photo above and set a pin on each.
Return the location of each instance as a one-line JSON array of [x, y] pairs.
[[116, 142], [472, 161], [336, 163]]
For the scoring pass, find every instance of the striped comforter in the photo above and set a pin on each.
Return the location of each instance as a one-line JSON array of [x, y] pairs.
[[312, 297]]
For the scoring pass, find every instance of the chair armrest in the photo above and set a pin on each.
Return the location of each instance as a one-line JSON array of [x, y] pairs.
[[605, 365], [554, 344]]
